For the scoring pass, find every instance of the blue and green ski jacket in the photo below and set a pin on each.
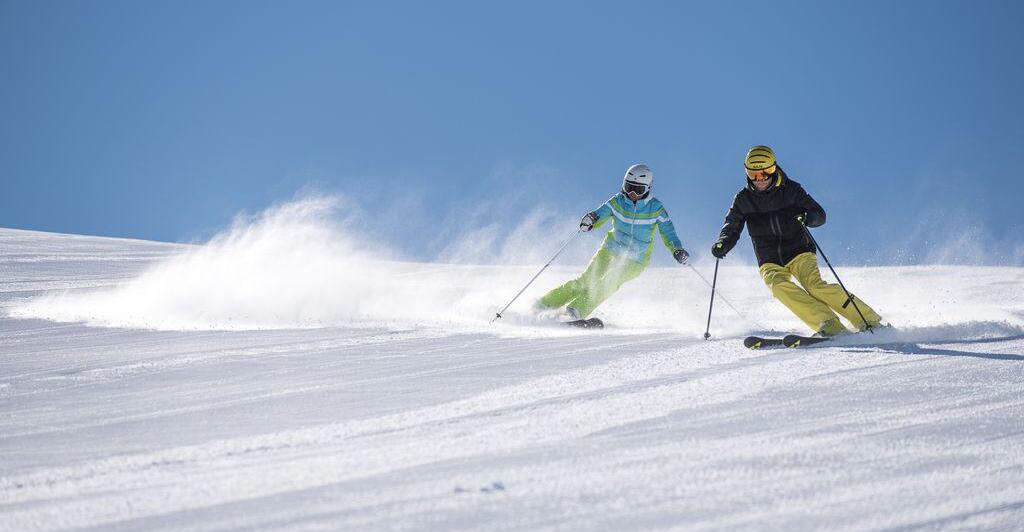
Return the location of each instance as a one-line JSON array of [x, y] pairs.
[[632, 235]]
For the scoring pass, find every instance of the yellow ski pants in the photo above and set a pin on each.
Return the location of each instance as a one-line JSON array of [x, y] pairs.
[[602, 278], [817, 303]]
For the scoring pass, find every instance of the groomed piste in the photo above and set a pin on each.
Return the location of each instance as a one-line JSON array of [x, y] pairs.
[[284, 376]]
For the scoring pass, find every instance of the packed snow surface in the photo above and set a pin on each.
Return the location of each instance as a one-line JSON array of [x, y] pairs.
[[283, 377]]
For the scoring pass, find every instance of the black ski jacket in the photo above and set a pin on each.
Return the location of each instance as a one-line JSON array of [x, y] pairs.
[[770, 217]]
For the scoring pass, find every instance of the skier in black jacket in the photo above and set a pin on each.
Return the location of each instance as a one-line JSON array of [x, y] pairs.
[[775, 208]]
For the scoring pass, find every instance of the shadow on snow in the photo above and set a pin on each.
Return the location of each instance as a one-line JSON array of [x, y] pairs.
[[915, 348]]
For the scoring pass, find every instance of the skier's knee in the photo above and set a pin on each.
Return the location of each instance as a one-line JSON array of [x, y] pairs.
[[819, 289], [777, 291], [774, 279]]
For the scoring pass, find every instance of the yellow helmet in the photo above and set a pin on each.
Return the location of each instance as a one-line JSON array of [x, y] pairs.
[[759, 158]]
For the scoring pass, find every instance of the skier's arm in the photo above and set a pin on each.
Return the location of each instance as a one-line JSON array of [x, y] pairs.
[[669, 237], [814, 214], [668, 231], [602, 214], [734, 222]]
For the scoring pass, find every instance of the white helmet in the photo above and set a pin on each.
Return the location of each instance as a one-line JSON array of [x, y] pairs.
[[639, 179]]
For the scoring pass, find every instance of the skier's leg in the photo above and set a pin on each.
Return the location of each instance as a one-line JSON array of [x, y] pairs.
[[620, 272], [575, 288], [817, 315], [805, 268]]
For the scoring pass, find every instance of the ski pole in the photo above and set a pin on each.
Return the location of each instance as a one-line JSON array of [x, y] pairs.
[[696, 271], [849, 296], [714, 281], [553, 257]]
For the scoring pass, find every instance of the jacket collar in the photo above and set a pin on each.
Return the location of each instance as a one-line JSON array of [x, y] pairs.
[[639, 203]]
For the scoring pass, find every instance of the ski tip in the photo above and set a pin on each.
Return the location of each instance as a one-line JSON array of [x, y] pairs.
[[758, 342]]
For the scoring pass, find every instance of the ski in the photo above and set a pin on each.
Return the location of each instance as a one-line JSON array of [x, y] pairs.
[[592, 323], [795, 340], [757, 342]]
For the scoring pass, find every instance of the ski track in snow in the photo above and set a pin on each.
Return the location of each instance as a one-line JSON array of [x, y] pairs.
[[342, 419]]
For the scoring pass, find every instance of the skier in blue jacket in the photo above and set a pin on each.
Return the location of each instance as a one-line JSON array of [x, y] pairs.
[[626, 250]]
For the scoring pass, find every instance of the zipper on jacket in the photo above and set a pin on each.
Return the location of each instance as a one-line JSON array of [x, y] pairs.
[[777, 229], [632, 223]]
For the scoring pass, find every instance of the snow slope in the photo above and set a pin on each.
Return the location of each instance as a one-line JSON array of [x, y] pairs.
[[280, 377]]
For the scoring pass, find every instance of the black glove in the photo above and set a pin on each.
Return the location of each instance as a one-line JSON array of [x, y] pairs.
[[587, 223], [718, 250], [802, 218], [680, 255]]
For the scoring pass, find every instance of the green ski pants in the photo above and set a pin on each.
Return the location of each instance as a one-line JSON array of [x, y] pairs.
[[815, 302], [602, 278]]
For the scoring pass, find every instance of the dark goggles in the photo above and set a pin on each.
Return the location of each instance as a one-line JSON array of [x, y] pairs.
[[639, 189], [763, 174]]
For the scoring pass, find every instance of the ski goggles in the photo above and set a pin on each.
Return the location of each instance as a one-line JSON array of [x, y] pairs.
[[763, 174], [637, 188]]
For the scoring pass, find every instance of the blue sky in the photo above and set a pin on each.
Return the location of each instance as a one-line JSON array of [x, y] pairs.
[[162, 120]]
